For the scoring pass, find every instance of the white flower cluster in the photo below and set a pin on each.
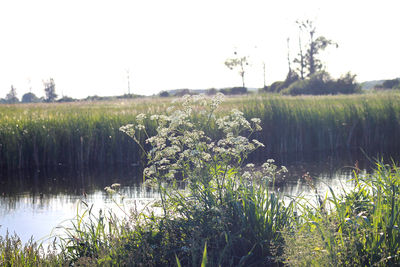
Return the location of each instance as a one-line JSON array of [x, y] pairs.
[[129, 129], [181, 146]]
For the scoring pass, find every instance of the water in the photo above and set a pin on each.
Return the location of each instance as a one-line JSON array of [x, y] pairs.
[[34, 204]]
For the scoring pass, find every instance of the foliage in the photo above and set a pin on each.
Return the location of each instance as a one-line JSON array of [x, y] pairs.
[[50, 90], [83, 134], [66, 99], [310, 61], [30, 98], [14, 253], [217, 209], [223, 205], [164, 94], [234, 91], [360, 230], [211, 91], [389, 84], [278, 86], [322, 84], [182, 92], [240, 63], [11, 97]]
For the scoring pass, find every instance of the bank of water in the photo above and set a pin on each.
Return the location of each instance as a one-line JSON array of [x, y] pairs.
[[39, 204]]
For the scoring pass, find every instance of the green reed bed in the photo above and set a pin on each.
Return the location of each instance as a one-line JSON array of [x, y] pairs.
[[69, 134], [86, 133], [315, 123]]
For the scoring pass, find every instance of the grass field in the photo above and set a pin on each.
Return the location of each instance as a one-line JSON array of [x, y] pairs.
[[86, 133]]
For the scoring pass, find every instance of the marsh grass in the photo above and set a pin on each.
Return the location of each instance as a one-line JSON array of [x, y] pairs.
[[361, 228], [86, 133], [14, 253]]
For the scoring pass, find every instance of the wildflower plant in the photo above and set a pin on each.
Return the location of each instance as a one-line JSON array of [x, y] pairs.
[[181, 147], [225, 201]]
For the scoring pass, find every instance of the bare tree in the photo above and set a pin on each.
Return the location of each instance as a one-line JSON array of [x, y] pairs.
[[240, 63]]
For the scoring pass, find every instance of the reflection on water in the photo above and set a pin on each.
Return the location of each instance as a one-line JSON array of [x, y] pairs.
[[34, 203]]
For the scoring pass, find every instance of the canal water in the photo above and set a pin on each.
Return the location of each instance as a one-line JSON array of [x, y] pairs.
[[39, 204]]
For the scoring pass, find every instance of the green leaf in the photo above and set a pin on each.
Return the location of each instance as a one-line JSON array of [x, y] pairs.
[[204, 260]]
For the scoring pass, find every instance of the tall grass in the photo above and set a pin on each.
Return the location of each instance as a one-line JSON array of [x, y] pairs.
[[360, 228], [76, 135], [14, 253], [81, 134], [318, 123]]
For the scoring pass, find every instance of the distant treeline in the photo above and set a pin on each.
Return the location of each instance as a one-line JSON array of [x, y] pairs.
[[209, 92], [389, 84], [319, 83], [87, 133]]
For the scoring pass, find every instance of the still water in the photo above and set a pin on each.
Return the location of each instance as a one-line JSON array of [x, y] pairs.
[[35, 204]]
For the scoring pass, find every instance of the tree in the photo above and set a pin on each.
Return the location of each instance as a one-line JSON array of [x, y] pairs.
[[164, 94], [50, 90], [238, 62], [301, 59], [11, 97], [389, 84], [310, 61], [29, 98]]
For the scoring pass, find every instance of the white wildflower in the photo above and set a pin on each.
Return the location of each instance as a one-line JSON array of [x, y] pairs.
[[246, 175], [115, 186], [109, 190], [140, 118], [258, 143]]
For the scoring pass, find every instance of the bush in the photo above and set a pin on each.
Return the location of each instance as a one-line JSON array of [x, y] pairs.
[[278, 86], [164, 94], [274, 87], [322, 84], [30, 98]]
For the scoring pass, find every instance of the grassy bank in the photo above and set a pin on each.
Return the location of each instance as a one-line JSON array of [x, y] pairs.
[[86, 133], [250, 228]]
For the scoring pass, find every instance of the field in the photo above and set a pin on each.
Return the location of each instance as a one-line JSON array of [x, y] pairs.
[[87, 133]]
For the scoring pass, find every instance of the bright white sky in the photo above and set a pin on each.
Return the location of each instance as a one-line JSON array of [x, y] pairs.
[[87, 46]]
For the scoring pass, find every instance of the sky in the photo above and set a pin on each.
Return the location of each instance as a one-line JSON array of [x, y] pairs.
[[91, 47]]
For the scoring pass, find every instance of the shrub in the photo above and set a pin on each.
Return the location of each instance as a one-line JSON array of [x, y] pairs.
[[30, 98], [164, 94], [322, 84], [274, 87], [278, 86]]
